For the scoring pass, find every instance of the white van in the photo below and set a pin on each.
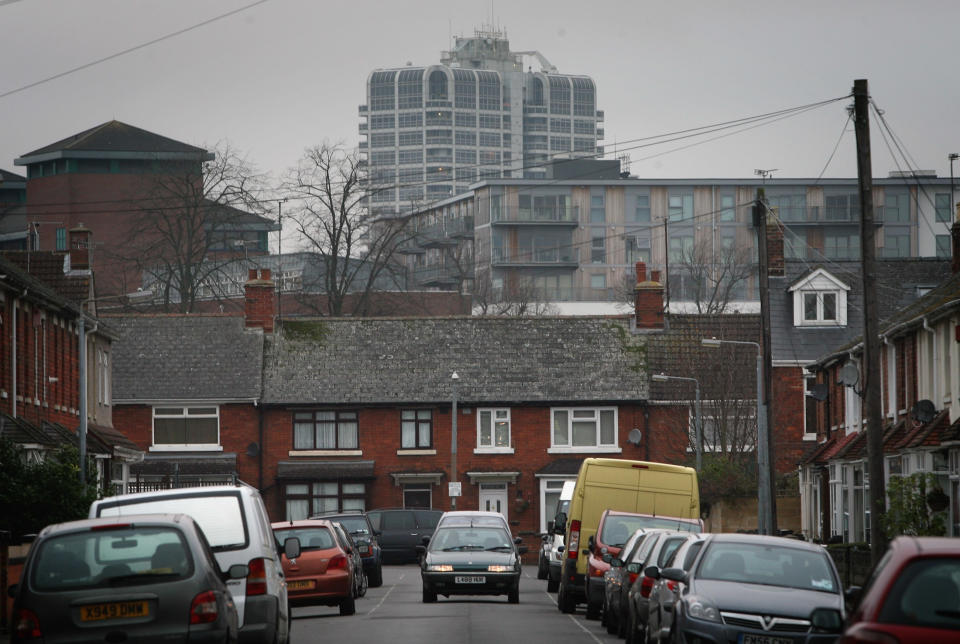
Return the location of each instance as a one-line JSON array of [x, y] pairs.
[[235, 522], [554, 539]]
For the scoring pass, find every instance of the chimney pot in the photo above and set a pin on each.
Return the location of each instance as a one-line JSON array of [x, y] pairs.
[[641, 272]]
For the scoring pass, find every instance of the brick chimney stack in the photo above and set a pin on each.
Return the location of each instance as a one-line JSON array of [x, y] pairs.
[[648, 299], [775, 257], [260, 299], [80, 248]]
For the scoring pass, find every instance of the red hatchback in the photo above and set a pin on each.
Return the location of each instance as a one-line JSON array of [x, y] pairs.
[[324, 573], [913, 595]]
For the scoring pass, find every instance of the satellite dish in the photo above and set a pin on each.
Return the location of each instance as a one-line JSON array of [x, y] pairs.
[[923, 411], [849, 375], [634, 436]]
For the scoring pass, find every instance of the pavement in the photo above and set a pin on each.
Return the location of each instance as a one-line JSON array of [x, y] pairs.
[[395, 613]]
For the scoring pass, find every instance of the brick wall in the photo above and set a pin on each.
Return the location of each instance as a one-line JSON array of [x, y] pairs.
[[788, 400]]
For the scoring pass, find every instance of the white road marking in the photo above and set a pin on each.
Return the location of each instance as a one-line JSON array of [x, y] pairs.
[[574, 620], [385, 595]]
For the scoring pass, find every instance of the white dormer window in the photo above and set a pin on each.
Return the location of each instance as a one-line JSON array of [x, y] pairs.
[[819, 299]]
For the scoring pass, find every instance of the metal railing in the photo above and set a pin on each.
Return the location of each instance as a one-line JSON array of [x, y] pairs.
[[537, 255], [537, 215]]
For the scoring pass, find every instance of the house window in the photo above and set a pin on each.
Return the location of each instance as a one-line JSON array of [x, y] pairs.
[[550, 490], [598, 250], [598, 281], [638, 248], [942, 201], [727, 204], [103, 377], [598, 212], [641, 213], [416, 428], [584, 428], [680, 206], [493, 429], [186, 427], [943, 246], [415, 495], [61, 239], [325, 430], [819, 308], [304, 500]]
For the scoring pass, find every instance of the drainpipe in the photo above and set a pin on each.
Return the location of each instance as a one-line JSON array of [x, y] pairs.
[[13, 362], [82, 368]]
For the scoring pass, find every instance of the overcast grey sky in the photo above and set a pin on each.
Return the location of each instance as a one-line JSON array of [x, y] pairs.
[[282, 75]]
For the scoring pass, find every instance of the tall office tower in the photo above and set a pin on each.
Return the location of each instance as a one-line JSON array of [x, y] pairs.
[[432, 131]]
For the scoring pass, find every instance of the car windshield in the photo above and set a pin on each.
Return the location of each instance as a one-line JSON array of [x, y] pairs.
[[617, 528], [111, 557], [314, 538], [768, 564], [356, 526], [448, 539], [927, 593]]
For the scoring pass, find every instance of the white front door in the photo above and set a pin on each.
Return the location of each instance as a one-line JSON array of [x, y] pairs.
[[493, 498]]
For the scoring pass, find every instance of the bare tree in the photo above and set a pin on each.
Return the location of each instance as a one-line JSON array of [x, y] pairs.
[[187, 212], [329, 191], [713, 275], [518, 297]]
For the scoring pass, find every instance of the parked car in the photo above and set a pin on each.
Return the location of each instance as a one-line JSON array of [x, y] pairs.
[[325, 572], [656, 489], [665, 594], [552, 547], [615, 579], [613, 529], [468, 555], [236, 524], [358, 526], [477, 517], [912, 595], [348, 544], [755, 588], [401, 530], [141, 578]]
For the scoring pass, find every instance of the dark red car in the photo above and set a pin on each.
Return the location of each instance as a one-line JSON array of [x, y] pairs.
[[324, 574], [913, 595]]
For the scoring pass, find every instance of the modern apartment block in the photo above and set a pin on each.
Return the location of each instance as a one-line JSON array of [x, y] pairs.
[[577, 239], [430, 132]]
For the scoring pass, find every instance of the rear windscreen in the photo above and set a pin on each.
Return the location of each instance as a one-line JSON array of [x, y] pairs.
[[220, 516]]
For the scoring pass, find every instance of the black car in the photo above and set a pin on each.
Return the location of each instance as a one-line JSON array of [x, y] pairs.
[[358, 525], [754, 588], [135, 578], [401, 530], [467, 557]]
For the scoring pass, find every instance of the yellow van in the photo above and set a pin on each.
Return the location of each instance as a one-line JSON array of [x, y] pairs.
[[655, 489]]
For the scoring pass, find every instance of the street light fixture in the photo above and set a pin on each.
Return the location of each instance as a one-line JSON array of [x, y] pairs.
[[454, 378], [698, 418], [764, 500]]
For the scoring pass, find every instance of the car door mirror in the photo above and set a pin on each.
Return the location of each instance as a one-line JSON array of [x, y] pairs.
[[633, 568], [674, 574], [560, 548], [591, 542], [615, 562], [851, 597], [826, 620], [421, 550], [522, 550], [518, 540], [291, 547], [560, 523], [653, 572], [238, 571], [425, 541], [550, 525]]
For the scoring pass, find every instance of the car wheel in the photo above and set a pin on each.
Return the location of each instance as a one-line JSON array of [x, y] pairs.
[[429, 597], [622, 623], [564, 602], [514, 595], [364, 582], [376, 578], [348, 605], [594, 609], [613, 624], [552, 585], [543, 568]]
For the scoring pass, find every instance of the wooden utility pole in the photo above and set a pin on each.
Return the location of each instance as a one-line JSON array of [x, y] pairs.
[[767, 478], [871, 340]]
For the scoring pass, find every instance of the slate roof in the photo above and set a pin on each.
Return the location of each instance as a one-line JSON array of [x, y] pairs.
[[7, 178], [48, 267], [499, 360], [181, 464], [566, 466], [897, 282], [185, 358], [325, 469], [37, 289], [115, 136]]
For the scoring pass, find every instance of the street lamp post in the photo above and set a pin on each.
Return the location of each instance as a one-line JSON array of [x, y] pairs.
[[698, 418], [453, 440], [764, 501]]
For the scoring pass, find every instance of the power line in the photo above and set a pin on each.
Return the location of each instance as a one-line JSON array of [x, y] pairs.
[[129, 50]]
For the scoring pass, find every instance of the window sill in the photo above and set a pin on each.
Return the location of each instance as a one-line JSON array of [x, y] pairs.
[[584, 450], [186, 448], [325, 452], [416, 452], [493, 450]]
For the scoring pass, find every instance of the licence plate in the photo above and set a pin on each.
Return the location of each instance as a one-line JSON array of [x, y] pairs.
[[115, 610], [470, 580], [303, 584], [748, 638]]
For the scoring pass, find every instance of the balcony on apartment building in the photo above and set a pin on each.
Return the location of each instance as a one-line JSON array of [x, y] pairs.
[[819, 215], [446, 232], [438, 276], [534, 256], [568, 216]]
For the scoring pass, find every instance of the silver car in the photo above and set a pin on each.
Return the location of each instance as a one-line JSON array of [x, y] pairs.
[[142, 578]]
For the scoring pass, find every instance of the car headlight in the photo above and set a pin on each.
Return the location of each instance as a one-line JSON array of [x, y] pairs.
[[699, 608], [440, 568], [499, 568]]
